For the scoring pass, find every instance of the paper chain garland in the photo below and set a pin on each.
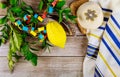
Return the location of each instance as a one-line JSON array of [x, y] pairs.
[[21, 22], [41, 32]]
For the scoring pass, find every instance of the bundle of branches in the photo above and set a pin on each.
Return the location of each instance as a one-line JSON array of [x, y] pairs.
[[22, 22]]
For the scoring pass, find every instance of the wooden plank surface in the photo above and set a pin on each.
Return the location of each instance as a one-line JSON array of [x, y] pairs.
[[47, 67], [75, 46], [67, 62]]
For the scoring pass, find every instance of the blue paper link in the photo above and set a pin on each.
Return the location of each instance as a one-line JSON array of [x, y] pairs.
[[33, 29], [24, 28], [41, 36], [35, 15], [50, 9], [25, 17], [18, 22], [44, 31]]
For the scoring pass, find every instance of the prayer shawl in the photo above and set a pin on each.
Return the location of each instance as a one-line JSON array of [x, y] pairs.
[[103, 52]]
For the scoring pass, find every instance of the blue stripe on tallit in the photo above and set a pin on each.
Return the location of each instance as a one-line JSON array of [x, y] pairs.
[[110, 50], [108, 10], [114, 20], [113, 37]]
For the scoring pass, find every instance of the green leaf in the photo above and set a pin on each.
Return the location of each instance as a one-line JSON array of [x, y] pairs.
[[3, 5], [28, 9], [40, 5], [50, 1], [32, 19], [34, 60], [11, 65], [10, 60], [3, 40], [24, 35], [21, 14], [60, 4], [25, 50], [3, 20], [12, 44], [16, 9], [43, 44], [11, 17], [5, 34], [66, 10], [71, 17], [23, 4], [17, 39], [5, 31], [13, 2], [60, 16]]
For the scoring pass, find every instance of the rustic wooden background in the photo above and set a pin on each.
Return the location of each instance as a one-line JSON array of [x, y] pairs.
[[67, 62]]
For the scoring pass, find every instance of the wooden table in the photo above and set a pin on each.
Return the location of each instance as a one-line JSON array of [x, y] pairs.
[[67, 62]]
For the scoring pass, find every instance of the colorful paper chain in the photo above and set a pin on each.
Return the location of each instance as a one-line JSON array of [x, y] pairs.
[[41, 32]]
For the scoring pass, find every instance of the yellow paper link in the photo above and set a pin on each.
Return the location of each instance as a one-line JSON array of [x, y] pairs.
[[41, 40], [41, 29], [40, 19], [33, 33], [19, 28], [29, 15], [17, 25]]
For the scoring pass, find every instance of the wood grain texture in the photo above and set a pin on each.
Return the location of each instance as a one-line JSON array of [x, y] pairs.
[[75, 46], [67, 62], [47, 67]]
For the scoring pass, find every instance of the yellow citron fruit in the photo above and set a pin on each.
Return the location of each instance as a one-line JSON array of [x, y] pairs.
[[56, 34]]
